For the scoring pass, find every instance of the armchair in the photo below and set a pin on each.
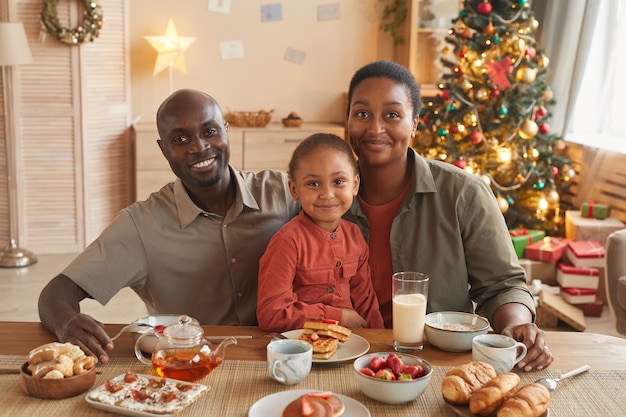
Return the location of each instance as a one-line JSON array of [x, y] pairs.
[[616, 278]]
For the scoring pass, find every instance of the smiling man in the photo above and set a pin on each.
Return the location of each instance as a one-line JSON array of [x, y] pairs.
[[193, 247]]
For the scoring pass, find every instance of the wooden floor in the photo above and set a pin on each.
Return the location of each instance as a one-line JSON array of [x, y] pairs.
[[20, 288]]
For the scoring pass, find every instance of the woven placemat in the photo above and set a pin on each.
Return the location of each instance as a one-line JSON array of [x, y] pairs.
[[237, 385]]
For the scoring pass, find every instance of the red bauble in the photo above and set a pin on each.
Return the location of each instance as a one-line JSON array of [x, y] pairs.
[[460, 163], [555, 172], [484, 8], [544, 128], [476, 137], [531, 52], [495, 93], [540, 112], [445, 94], [454, 129]]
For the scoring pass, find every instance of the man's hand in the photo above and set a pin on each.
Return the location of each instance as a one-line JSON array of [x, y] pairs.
[[88, 333]]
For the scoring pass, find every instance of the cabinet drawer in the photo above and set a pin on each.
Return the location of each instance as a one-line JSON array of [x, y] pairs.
[[271, 150]]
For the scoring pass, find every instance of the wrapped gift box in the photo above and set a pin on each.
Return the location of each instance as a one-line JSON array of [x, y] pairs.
[[591, 309], [553, 308], [578, 227], [585, 254], [594, 210], [524, 237], [543, 271], [578, 295], [549, 249], [571, 276]]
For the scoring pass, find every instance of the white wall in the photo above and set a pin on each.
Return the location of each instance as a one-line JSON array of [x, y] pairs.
[[262, 79]]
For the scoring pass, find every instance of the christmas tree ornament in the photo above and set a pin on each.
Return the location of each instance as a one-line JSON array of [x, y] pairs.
[[559, 144], [503, 111], [530, 52], [484, 8], [475, 137], [548, 95], [553, 197], [466, 85], [498, 71], [555, 172], [544, 127], [442, 132], [535, 24], [543, 61], [486, 180], [540, 112], [526, 74], [489, 29], [503, 204], [528, 130], [460, 163], [495, 93], [540, 184]]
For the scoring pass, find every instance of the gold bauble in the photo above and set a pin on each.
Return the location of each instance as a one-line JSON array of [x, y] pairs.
[[559, 145], [535, 24], [548, 95], [503, 204], [466, 85], [544, 61], [553, 197], [482, 94], [470, 119], [528, 129], [526, 74]]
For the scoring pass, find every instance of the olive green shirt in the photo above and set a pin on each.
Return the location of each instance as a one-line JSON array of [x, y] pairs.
[[449, 226], [179, 259]]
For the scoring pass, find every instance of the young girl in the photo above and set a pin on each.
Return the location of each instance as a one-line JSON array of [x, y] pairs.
[[316, 266]]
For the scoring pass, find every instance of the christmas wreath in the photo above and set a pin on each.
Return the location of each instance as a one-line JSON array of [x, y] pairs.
[[87, 31]]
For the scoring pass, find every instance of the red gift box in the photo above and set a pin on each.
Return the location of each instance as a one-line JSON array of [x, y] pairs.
[[550, 249], [585, 254], [570, 276], [591, 309], [578, 295]]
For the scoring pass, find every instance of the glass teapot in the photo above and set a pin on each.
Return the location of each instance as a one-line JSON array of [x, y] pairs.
[[182, 352]]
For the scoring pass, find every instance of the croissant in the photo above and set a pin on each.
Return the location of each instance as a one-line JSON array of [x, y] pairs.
[[488, 398], [459, 383], [531, 400]]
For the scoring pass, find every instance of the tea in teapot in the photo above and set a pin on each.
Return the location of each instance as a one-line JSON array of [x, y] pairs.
[[182, 352]]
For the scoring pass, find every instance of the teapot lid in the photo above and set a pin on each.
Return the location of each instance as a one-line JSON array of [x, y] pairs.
[[187, 328]]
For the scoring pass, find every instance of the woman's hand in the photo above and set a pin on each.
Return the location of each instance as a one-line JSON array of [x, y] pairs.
[[538, 356], [351, 319]]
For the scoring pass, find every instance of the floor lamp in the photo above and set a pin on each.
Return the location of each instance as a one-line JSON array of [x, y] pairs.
[[14, 50]]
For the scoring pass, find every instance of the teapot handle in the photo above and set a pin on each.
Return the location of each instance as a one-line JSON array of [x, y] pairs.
[[139, 352]]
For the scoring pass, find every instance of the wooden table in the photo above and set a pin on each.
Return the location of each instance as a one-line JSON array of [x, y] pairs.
[[242, 379], [570, 349]]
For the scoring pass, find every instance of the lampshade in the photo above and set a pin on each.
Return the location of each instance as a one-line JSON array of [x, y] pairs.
[[14, 48]]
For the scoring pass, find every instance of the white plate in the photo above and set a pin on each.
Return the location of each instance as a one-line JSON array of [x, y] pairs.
[[198, 390], [273, 404], [352, 349]]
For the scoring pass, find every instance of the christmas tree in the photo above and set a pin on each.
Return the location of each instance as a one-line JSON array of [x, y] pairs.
[[491, 114]]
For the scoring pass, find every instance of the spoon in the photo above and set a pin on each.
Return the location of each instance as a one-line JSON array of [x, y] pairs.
[[551, 383], [133, 327]]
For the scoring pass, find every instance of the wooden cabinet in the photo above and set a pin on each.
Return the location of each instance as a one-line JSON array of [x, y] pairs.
[[252, 149], [271, 147], [424, 30]]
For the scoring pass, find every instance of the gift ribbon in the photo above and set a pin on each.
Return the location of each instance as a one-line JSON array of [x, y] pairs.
[[519, 232]]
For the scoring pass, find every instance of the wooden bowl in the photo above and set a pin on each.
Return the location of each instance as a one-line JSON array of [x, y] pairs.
[[56, 388], [291, 122]]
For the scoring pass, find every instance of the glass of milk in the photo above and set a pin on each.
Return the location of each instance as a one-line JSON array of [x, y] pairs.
[[409, 295]]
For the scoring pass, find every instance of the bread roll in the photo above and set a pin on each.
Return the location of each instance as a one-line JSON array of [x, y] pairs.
[[531, 400], [461, 381], [488, 398]]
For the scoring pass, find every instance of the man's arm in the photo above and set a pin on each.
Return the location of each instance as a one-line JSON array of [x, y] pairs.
[[59, 311]]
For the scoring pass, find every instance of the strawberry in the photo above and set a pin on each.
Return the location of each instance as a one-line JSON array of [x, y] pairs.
[[394, 363], [313, 337], [367, 372], [330, 321], [321, 394], [159, 328], [385, 374], [377, 363], [404, 377], [307, 407], [415, 371]]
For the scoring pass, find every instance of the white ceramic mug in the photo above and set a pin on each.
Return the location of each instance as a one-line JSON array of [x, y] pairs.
[[502, 352], [289, 360]]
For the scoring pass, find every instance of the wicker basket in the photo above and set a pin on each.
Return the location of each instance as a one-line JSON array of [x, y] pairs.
[[249, 118]]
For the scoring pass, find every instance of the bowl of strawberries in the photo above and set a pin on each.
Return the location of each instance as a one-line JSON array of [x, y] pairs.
[[392, 378]]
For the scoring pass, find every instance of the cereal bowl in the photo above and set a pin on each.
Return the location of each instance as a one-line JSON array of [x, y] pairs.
[[394, 391], [453, 331], [158, 322], [56, 388]]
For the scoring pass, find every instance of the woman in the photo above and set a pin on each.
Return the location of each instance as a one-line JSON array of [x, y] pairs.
[[423, 215]]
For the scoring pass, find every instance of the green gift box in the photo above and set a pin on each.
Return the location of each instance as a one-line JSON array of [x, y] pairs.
[[594, 210], [524, 237]]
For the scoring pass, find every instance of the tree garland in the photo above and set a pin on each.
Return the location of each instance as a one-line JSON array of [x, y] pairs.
[[87, 31]]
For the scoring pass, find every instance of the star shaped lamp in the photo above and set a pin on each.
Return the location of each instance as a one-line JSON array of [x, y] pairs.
[[170, 48]]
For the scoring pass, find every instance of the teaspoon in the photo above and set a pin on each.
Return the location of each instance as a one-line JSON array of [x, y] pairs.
[[551, 383]]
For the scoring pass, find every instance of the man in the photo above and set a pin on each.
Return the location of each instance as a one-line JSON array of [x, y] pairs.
[[193, 247]]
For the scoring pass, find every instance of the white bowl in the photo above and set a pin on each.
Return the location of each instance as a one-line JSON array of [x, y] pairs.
[[453, 331], [148, 343], [392, 392]]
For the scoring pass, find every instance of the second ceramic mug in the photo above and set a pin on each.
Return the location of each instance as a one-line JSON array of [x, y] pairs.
[[289, 360], [502, 352]]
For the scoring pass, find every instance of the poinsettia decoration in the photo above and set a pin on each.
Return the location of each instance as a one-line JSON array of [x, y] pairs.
[[498, 71]]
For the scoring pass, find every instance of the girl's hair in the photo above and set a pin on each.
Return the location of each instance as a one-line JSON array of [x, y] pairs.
[[395, 72], [317, 141]]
